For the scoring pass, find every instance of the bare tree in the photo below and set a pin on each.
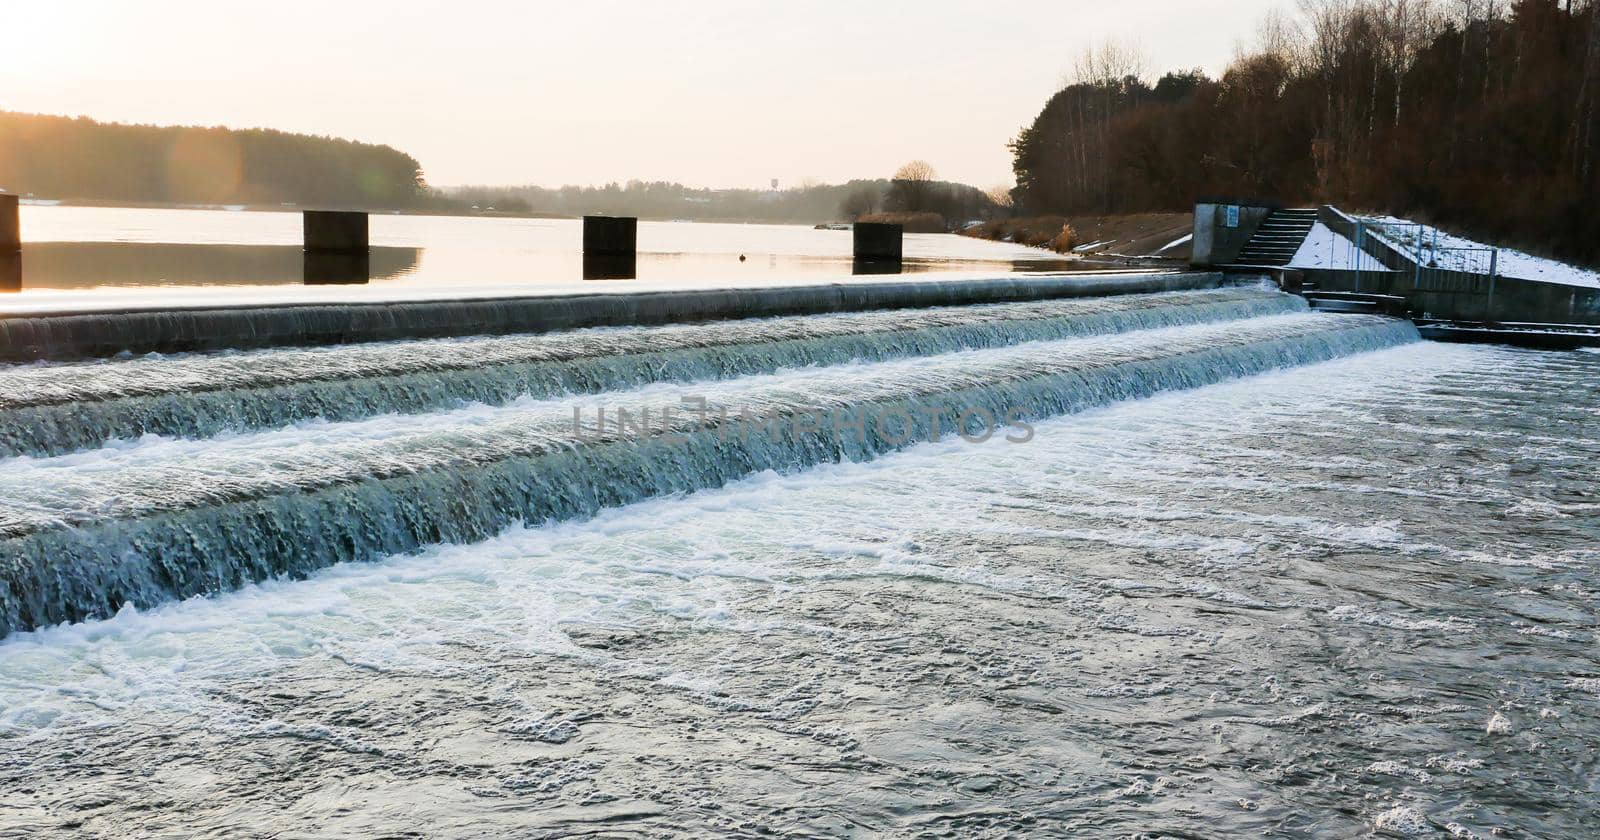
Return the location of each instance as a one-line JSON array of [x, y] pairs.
[[912, 188], [1328, 27], [1102, 75], [1583, 123], [917, 170], [1407, 26], [1278, 35], [1109, 63]]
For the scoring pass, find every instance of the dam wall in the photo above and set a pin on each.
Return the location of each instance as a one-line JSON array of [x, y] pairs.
[[65, 336]]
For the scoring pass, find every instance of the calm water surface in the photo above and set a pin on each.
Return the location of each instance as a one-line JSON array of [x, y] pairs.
[[103, 253]]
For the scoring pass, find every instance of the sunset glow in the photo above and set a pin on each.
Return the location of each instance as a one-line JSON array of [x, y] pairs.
[[721, 93]]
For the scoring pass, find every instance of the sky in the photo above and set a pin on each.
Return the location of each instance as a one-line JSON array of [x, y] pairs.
[[722, 93]]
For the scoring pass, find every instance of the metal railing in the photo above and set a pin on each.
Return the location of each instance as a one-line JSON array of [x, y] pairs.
[[1434, 262]]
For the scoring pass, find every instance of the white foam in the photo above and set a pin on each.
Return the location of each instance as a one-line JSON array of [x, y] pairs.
[[671, 557], [1353, 613], [1403, 820]]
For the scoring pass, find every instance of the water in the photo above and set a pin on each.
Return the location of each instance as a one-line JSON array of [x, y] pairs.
[[1258, 571], [175, 255], [54, 409]]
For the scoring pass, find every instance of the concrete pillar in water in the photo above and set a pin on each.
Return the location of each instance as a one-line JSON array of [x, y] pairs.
[[610, 247], [10, 225], [877, 247], [336, 247], [335, 232], [610, 236]]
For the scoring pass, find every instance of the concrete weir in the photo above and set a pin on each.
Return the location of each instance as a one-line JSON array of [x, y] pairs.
[[97, 334]]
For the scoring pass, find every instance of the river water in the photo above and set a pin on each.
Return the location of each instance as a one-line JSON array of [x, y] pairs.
[[107, 256], [1254, 571]]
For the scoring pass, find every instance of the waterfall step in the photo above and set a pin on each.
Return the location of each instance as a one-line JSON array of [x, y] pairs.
[[160, 520]]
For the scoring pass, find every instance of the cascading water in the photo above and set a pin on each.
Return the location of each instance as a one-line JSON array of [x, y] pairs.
[[452, 441], [54, 409], [72, 334]]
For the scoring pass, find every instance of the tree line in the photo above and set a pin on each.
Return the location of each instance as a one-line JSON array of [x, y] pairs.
[[911, 190], [1482, 115], [663, 200], [79, 158]]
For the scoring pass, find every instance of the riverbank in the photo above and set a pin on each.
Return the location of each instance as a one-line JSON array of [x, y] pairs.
[[910, 222], [1141, 235]]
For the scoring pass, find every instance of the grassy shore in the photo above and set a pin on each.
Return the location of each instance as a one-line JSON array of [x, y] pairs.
[[1135, 235], [1052, 232], [912, 222]]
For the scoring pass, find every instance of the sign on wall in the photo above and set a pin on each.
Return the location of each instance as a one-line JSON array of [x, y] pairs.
[[1232, 216]]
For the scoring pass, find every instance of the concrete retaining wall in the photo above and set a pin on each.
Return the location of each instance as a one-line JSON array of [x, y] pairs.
[[1215, 242], [1461, 296], [1454, 295]]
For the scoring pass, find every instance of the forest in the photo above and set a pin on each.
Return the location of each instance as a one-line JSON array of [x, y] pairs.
[[1477, 115], [914, 188], [79, 158]]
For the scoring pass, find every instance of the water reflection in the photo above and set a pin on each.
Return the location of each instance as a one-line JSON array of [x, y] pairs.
[[85, 265], [326, 269], [10, 273], [869, 266], [69, 252], [610, 267]]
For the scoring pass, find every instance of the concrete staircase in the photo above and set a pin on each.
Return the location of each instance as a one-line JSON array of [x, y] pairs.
[[1278, 238]]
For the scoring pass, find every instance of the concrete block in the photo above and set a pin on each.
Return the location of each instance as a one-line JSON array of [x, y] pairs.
[[610, 236], [10, 225], [877, 242], [335, 232]]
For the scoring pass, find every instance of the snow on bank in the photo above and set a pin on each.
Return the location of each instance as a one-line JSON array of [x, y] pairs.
[[1404, 234], [1325, 249]]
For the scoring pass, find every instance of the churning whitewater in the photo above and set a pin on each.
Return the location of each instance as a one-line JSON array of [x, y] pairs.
[[1251, 570], [52, 409], [138, 522]]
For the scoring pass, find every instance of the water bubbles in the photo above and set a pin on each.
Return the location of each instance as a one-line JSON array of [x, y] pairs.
[[1404, 821]]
